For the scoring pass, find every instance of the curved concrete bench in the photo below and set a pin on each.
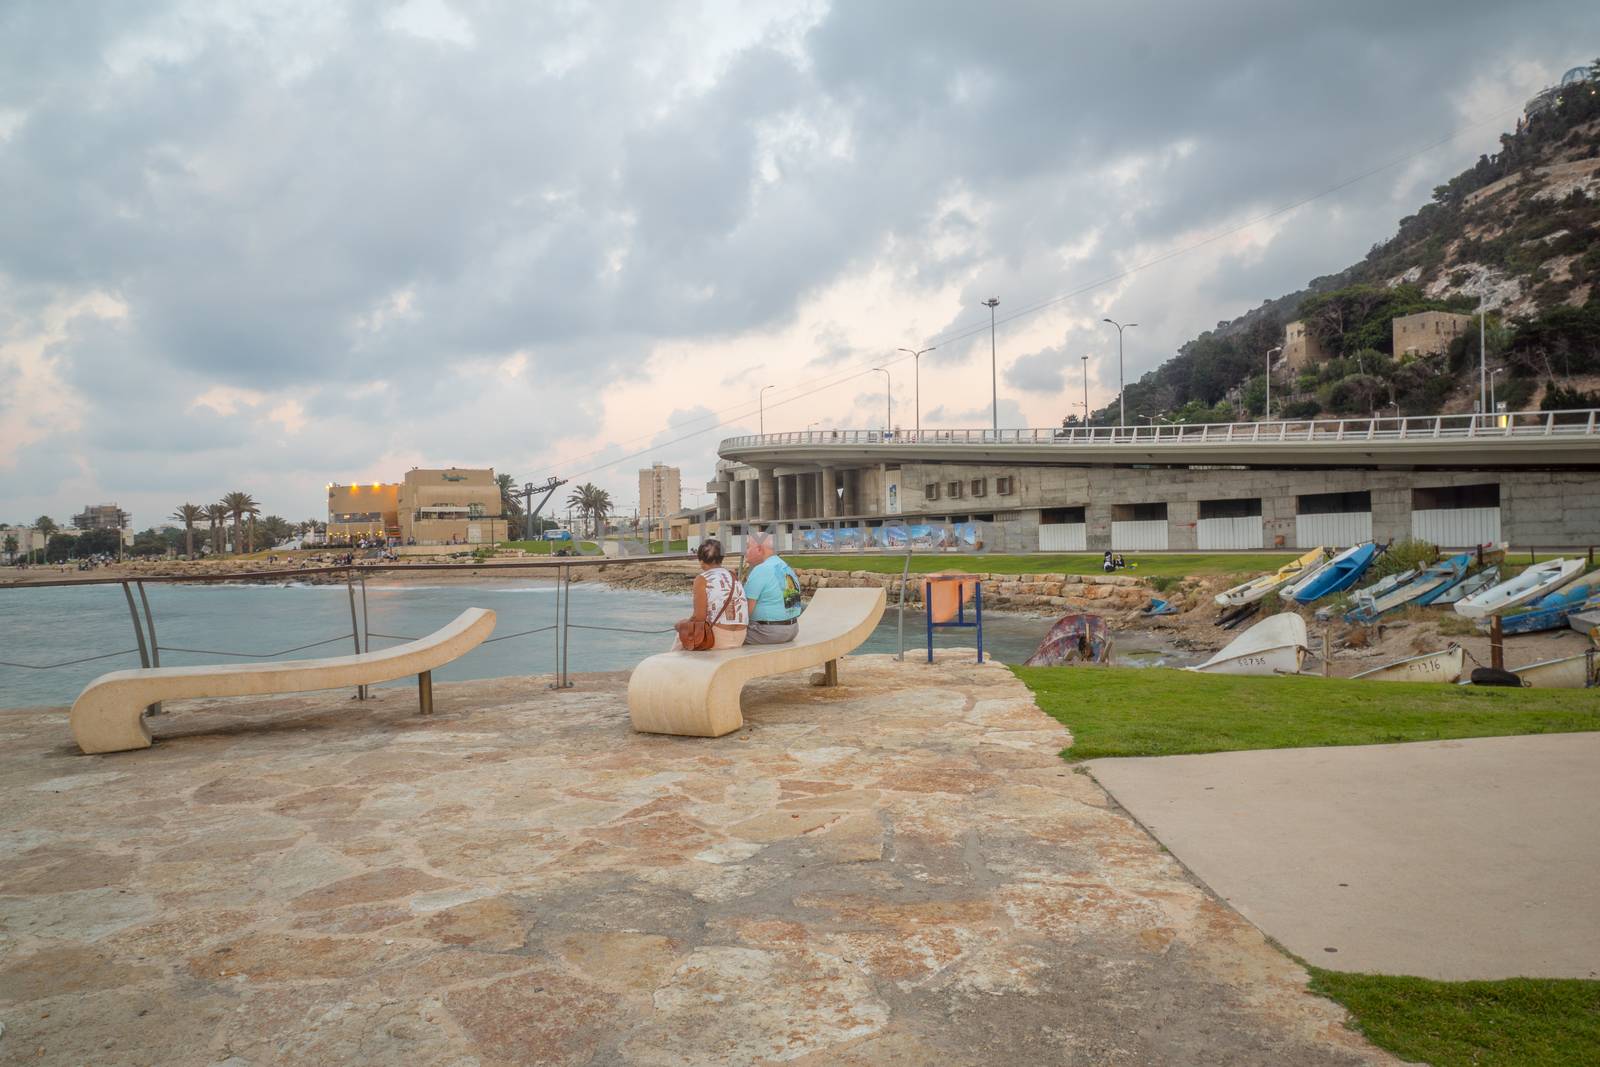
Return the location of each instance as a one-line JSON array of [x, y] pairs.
[[696, 694], [108, 715]]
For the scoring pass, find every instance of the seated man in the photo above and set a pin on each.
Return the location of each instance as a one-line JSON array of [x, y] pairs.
[[773, 590]]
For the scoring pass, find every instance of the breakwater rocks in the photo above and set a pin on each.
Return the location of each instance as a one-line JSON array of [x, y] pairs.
[[1043, 593]]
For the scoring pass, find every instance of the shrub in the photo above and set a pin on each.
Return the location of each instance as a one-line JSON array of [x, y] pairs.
[[1402, 556]]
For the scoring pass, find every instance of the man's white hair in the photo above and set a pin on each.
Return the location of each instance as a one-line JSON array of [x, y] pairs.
[[759, 540]]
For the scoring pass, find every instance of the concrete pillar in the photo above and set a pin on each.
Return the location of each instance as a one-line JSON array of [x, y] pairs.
[[768, 495], [827, 478], [785, 497], [1277, 521], [1183, 533], [1391, 513], [724, 509]]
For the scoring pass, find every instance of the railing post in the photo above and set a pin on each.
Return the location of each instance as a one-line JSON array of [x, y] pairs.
[[155, 645], [355, 628], [138, 633]]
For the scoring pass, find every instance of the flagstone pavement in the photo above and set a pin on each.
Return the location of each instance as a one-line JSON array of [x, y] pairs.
[[898, 871]]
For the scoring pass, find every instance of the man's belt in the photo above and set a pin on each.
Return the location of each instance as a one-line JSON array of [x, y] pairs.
[[776, 622]]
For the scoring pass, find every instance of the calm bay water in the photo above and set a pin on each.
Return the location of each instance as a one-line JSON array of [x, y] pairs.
[[39, 626]]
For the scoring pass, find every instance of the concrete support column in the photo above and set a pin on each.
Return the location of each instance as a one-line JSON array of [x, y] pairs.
[[785, 498], [1391, 513], [1097, 516], [1277, 522], [768, 496], [1183, 531], [724, 508], [827, 480]]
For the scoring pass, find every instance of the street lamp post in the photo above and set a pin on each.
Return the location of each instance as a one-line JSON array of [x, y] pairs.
[[761, 403], [888, 399], [1122, 409], [1494, 406], [1267, 414], [916, 372], [1085, 392], [994, 376]]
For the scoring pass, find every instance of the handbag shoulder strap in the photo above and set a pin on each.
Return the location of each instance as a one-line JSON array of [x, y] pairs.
[[732, 582]]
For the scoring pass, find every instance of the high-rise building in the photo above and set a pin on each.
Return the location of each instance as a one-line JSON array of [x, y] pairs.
[[660, 492], [102, 517]]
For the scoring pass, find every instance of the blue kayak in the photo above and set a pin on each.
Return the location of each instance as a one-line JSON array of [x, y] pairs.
[[1343, 571], [1453, 569], [1550, 611]]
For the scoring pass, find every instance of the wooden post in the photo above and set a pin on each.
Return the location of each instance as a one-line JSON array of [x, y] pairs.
[[1326, 666], [425, 693], [1497, 644], [830, 673]]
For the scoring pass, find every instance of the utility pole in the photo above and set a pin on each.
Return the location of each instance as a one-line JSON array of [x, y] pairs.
[[1483, 362], [761, 404], [1086, 392], [994, 375], [1270, 352], [1122, 389], [916, 372]]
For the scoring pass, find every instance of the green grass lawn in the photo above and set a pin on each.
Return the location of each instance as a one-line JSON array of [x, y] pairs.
[[1482, 1024], [544, 548], [1175, 565], [1130, 711]]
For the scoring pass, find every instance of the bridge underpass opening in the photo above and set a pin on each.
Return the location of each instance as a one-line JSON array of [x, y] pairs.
[[1139, 527], [1333, 520], [1229, 524], [1457, 516], [1063, 530]]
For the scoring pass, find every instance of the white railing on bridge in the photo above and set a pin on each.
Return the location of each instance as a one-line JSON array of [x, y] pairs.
[[1561, 424]]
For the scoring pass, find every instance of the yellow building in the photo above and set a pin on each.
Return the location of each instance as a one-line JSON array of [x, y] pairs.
[[363, 512], [660, 493], [1300, 347], [458, 506]]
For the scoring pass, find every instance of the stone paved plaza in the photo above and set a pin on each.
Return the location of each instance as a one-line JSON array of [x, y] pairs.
[[899, 871]]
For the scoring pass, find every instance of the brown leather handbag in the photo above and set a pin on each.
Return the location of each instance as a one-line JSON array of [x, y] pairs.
[[697, 635]]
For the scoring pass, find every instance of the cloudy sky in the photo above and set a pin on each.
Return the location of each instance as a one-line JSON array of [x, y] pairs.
[[269, 246]]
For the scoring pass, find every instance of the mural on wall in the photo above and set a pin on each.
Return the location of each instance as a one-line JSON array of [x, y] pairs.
[[892, 536]]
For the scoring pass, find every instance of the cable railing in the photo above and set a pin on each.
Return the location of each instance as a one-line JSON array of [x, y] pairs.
[[1565, 425], [148, 647]]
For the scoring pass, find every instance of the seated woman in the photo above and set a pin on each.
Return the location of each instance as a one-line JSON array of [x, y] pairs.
[[719, 598]]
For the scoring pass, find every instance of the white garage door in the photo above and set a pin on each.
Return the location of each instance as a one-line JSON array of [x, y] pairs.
[[1149, 535], [1243, 531], [1337, 530], [1063, 537], [1457, 527]]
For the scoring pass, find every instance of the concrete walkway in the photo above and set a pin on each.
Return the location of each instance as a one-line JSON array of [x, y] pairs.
[[898, 871], [1449, 859]]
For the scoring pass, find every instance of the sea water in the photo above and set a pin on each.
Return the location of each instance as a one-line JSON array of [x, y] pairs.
[[195, 624]]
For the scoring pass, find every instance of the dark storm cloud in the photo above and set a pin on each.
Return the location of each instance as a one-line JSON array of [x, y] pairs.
[[311, 199]]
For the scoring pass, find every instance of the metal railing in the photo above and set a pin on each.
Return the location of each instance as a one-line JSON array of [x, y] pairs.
[[353, 576], [1565, 425]]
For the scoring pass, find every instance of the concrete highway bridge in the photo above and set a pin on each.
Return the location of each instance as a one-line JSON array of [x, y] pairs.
[[1532, 478]]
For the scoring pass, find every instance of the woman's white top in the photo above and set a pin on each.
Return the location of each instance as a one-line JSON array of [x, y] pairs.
[[720, 583]]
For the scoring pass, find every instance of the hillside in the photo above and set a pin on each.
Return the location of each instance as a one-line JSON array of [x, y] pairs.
[[1519, 230]]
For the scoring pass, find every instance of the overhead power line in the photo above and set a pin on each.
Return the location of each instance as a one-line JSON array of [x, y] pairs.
[[744, 410]]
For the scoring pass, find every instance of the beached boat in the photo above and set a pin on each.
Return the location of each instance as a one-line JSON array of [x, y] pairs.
[[1568, 672], [1417, 590], [1074, 638], [1256, 588], [1549, 612], [1473, 583], [1530, 585], [1343, 571], [1310, 575], [1160, 607], [1442, 666], [1275, 645], [1586, 622]]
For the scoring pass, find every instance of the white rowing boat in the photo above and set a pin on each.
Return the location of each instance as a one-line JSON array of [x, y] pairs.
[[1275, 645], [1256, 588], [1445, 665], [1568, 672], [1531, 584], [1476, 583]]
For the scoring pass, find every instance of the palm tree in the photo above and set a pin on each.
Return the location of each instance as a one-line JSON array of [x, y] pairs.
[[509, 506], [592, 503], [189, 514], [46, 527], [219, 517], [11, 546], [240, 504]]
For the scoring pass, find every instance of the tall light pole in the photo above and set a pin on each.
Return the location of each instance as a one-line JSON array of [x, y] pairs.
[[761, 403], [1494, 407], [888, 399], [916, 371], [1270, 353], [1122, 404], [1086, 392], [994, 376]]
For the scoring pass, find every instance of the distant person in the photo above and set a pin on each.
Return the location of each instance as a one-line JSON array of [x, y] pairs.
[[1109, 564], [774, 592], [719, 599], [1119, 561]]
